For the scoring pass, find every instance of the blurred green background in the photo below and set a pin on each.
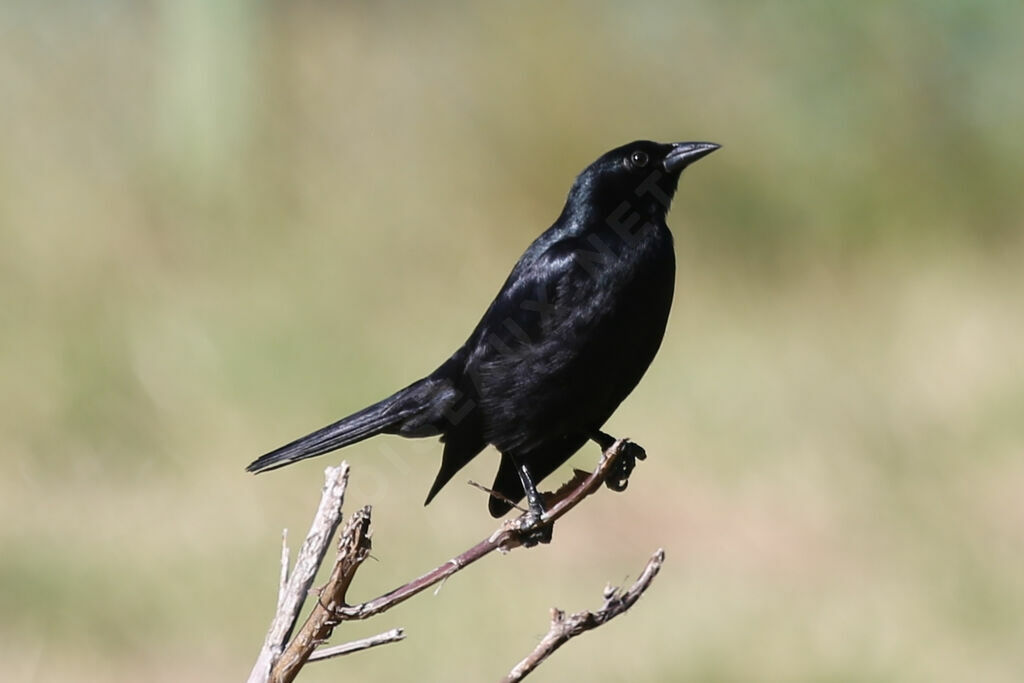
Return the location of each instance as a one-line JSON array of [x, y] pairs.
[[223, 224]]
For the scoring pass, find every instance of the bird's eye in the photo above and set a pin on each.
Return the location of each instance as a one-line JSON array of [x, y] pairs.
[[638, 159]]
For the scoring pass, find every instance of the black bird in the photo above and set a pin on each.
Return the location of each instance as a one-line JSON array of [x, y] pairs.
[[569, 335]]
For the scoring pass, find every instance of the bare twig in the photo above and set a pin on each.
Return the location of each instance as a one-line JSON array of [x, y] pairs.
[[392, 636], [508, 536], [616, 601], [282, 589], [353, 549], [292, 596], [497, 494]]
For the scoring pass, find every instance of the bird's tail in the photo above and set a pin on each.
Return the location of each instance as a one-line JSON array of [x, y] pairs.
[[394, 415]]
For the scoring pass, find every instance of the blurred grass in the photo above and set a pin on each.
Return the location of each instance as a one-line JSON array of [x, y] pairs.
[[222, 224]]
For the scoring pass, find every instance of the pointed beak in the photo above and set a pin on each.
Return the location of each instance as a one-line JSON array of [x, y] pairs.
[[685, 153]]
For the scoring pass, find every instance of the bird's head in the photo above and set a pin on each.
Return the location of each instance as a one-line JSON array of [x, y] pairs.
[[642, 174]]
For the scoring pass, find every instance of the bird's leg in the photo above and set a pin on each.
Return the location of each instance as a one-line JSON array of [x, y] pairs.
[[618, 478], [532, 522], [532, 494]]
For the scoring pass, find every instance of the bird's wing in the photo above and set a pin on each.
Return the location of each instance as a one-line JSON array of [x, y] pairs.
[[547, 295], [532, 354], [529, 306]]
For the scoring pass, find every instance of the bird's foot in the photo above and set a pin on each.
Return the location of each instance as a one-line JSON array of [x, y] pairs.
[[533, 528], [625, 461]]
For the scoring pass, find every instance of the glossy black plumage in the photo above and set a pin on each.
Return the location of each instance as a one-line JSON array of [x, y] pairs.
[[567, 338]]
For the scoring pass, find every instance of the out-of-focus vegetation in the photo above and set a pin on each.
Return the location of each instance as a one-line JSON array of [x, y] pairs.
[[225, 223]]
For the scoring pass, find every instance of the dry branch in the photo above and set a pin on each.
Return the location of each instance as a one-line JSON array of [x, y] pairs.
[[280, 665], [509, 535], [616, 601], [353, 549], [392, 636], [292, 594]]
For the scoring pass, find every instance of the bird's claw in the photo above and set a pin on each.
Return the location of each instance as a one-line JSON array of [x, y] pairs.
[[533, 529], [618, 477]]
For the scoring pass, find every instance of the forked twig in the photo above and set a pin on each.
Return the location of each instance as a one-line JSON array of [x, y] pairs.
[[616, 601], [292, 590], [353, 549]]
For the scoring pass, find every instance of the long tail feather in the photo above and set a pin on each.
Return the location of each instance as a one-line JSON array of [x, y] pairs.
[[375, 419]]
